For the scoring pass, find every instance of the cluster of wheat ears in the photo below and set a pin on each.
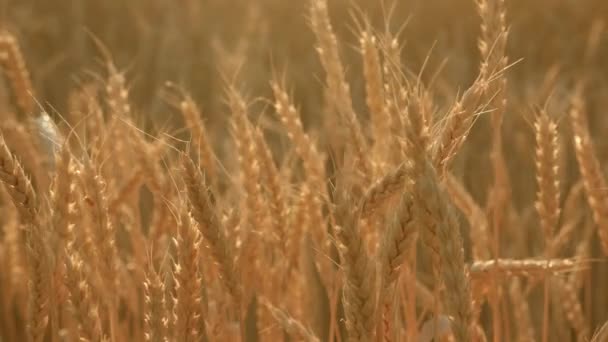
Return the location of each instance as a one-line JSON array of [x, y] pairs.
[[112, 233]]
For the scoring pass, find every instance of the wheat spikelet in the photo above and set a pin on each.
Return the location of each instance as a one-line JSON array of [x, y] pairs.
[[84, 306], [155, 319], [398, 239], [187, 307], [572, 307], [547, 203], [458, 122], [376, 196], [117, 93]]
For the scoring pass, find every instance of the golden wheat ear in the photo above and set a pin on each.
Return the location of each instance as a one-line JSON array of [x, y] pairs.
[[589, 166], [204, 213], [188, 282], [16, 71]]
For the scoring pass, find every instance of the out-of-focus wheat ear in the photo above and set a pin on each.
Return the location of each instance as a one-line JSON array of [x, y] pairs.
[[360, 281], [478, 223], [85, 307], [256, 213], [292, 326], [374, 91], [484, 270], [188, 281], [494, 33], [572, 307], [589, 166], [572, 218], [523, 321], [312, 160], [117, 92], [200, 138], [204, 212], [13, 249], [299, 225], [272, 183], [14, 66], [84, 105], [338, 88], [155, 316], [548, 196]]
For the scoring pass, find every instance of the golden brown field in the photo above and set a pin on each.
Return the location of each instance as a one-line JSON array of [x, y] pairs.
[[317, 170]]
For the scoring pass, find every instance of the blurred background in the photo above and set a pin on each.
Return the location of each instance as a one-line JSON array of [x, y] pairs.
[[192, 42]]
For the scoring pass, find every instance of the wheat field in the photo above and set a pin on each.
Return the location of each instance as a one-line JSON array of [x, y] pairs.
[[318, 170]]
